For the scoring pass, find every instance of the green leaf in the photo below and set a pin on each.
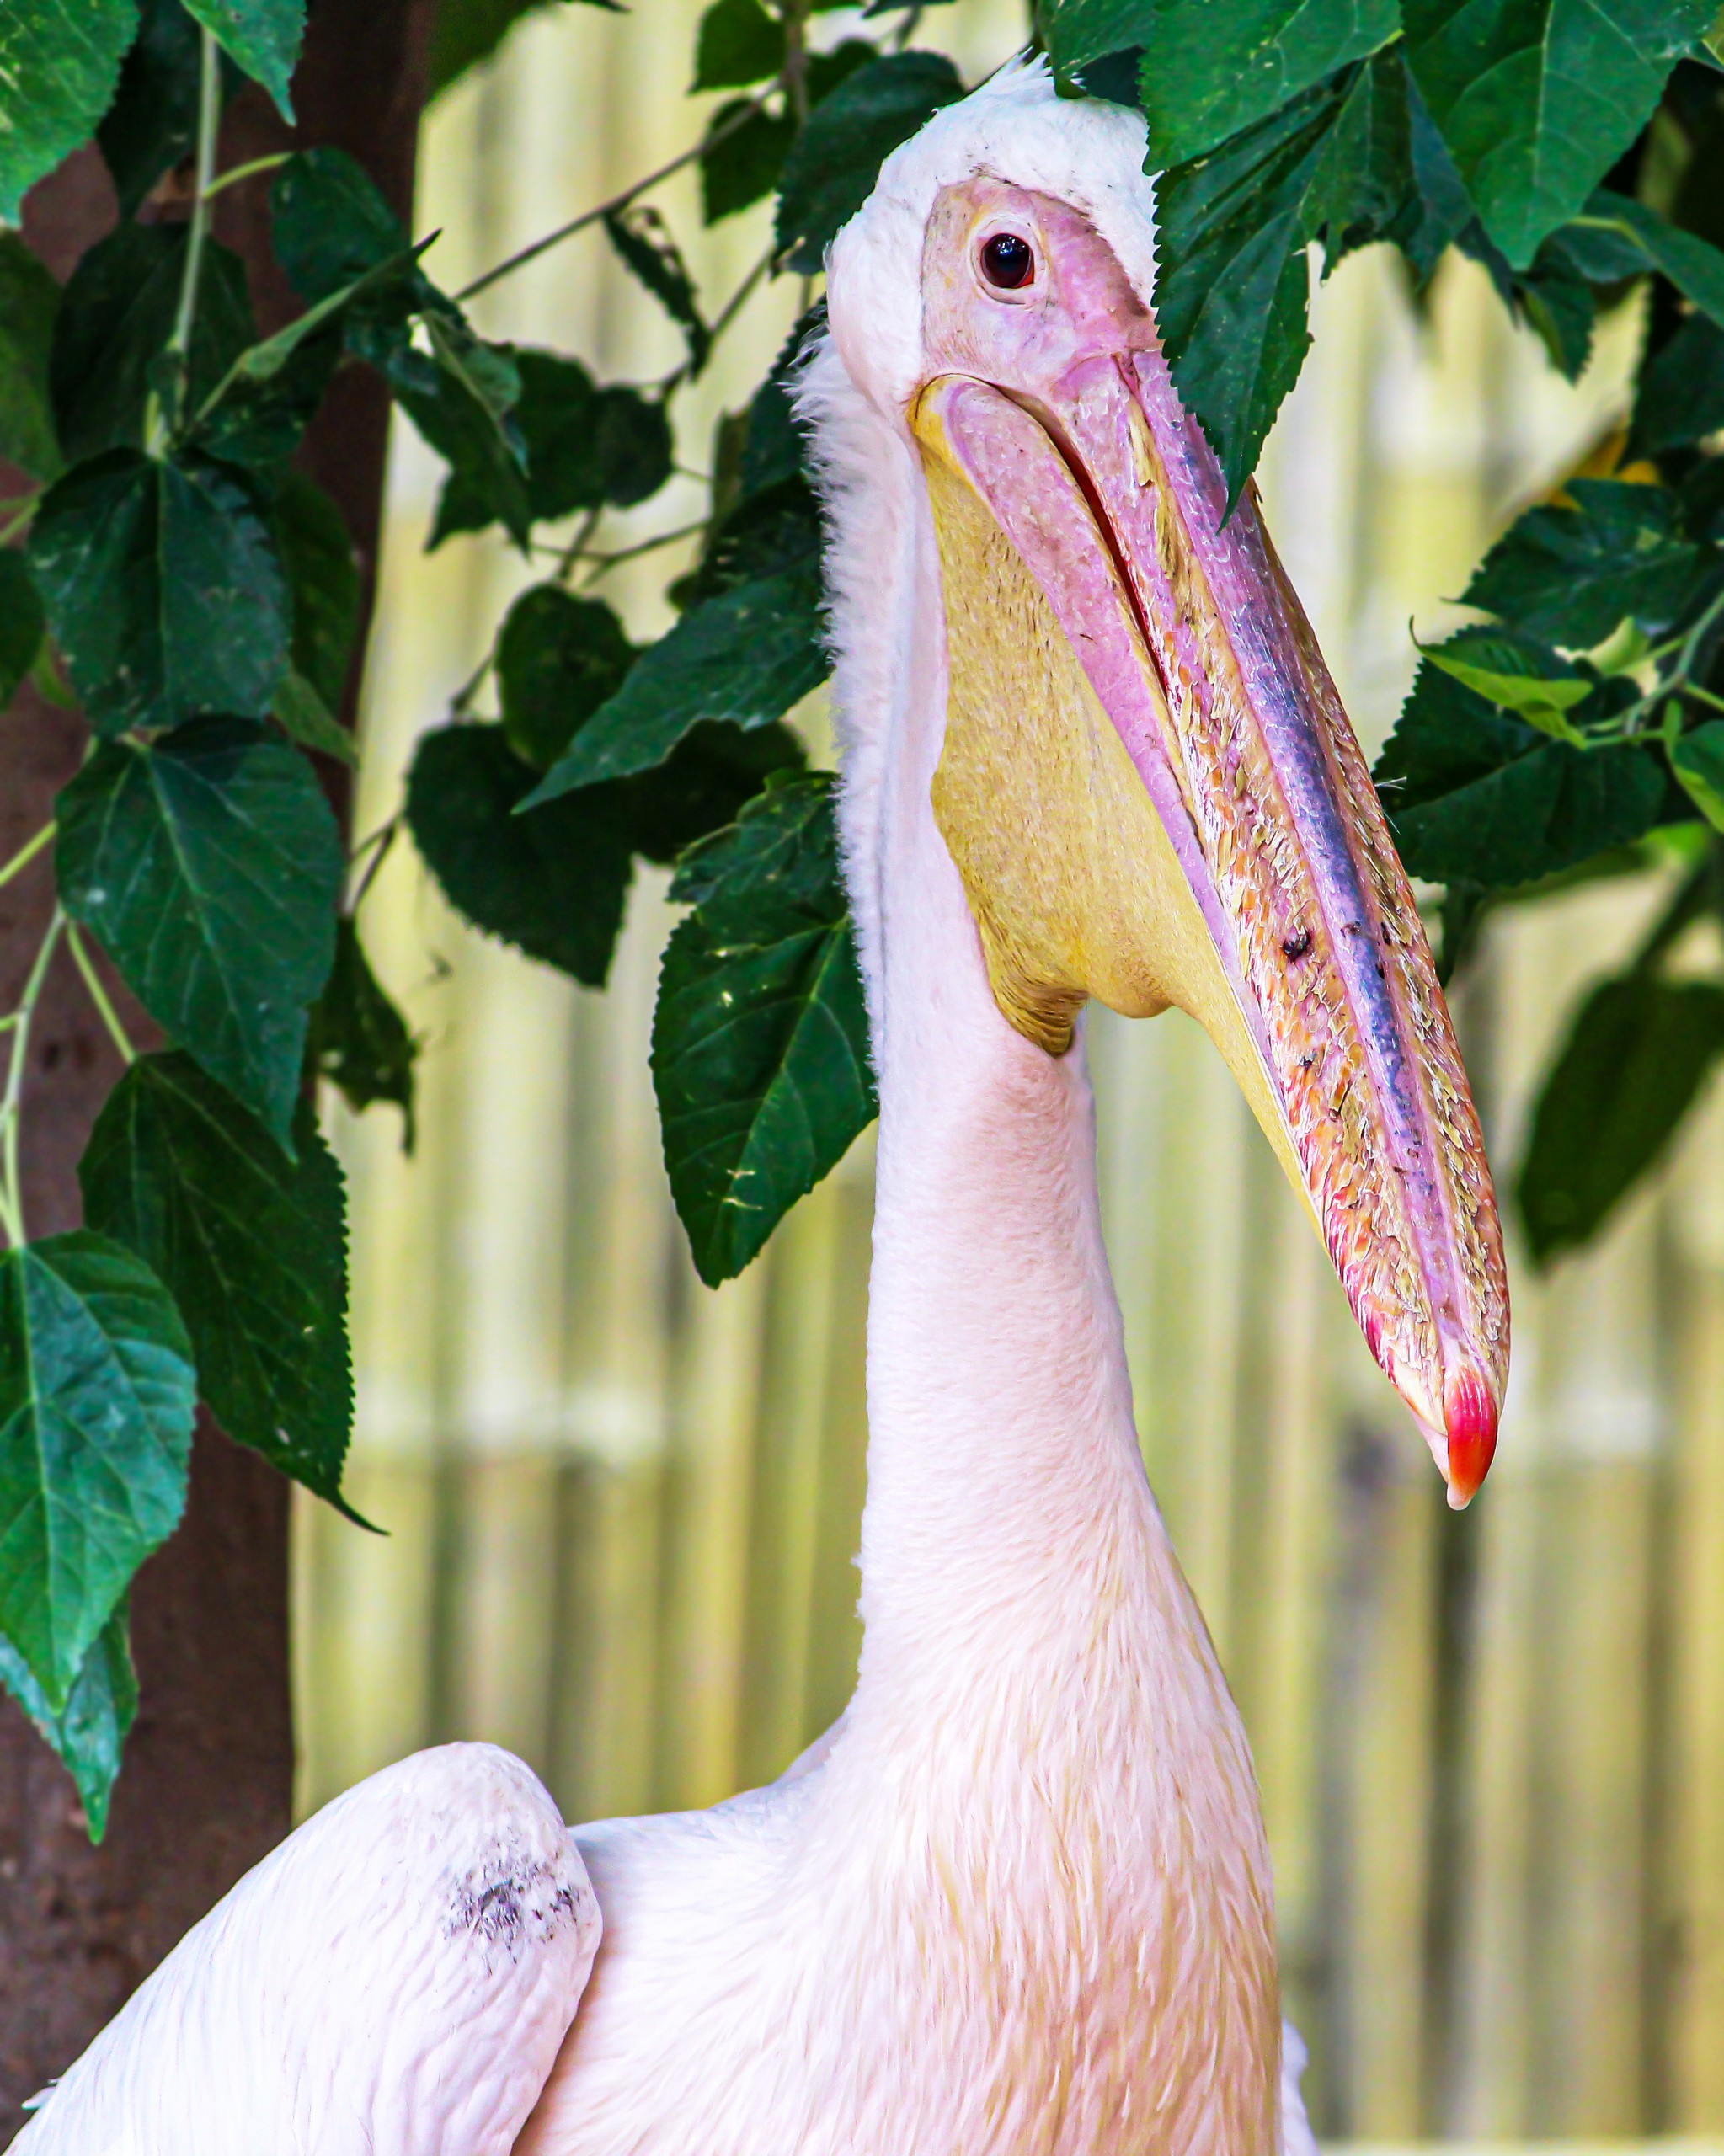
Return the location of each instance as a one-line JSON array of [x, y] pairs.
[[702, 785], [1561, 307], [585, 446], [163, 589], [1203, 78], [325, 591], [152, 125], [116, 319], [759, 1039], [21, 624], [738, 43], [1542, 699], [29, 302], [643, 240], [741, 164], [97, 1398], [251, 1246], [263, 36], [558, 658], [1627, 236], [359, 1041], [303, 716], [776, 529], [330, 226], [59, 63], [1680, 399], [551, 884], [210, 866], [1538, 99], [831, 170], [1637, 1053], [746, 656], [1568, 576], [1475, 796], [1698, 761], [466, 32], [1231, 296], [88, 1733], [453, 409]]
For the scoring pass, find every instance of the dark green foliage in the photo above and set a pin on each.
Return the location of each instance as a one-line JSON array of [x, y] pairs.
[[59, 63], [262, 36], [467, 32], [359, 1041], [759, 1040], [747, 655], [330, 226], [742, 164], [1634, 1060], [152, 125], [29, 304], [1570, 575], [831, 170], [1681, 395], [97, 1397], [115, 320], [208, 866], [1196, 89], [1698, 761], [552, 883], [322, 585], [585, 446], [1538, 99], [1476, 796], [253, 1247], [89, 1731], [163, 589], [701, 785], [643, 240], [738, 43], [1332, 165], [558, 658], [21, 624]]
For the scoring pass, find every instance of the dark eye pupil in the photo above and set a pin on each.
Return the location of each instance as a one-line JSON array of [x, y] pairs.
[[1008, 261]]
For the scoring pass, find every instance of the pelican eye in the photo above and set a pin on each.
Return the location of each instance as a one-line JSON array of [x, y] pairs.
[[1008, 262]]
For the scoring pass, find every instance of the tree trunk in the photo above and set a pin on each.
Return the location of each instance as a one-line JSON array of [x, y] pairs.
[[208, 1780]]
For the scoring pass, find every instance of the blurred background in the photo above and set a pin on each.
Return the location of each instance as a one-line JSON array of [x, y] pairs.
[[621, 1510]]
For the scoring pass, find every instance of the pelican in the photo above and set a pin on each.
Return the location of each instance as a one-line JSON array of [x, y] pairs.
[[1017, 1901]]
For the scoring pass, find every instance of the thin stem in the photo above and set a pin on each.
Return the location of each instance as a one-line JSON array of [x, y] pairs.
[[609, 560], [11, 1188], [26, 509], [577, 546], [794, 74], [247, 172], [531, 253], [382, 839], [179, 344], [98, 995], [27, 852], [733, 307]]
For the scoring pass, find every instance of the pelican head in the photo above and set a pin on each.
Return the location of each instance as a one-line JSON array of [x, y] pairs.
[[1146, 779]]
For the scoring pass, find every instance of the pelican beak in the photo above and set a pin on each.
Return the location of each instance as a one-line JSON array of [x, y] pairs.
[[1154, 796]]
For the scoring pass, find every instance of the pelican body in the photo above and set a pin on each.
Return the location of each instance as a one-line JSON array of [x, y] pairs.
[[1017, 1901]]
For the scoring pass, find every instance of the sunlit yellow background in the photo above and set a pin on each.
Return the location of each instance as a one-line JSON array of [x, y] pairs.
[[622, 1511]]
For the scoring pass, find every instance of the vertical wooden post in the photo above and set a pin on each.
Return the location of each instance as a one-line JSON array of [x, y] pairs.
[[208, 1781]]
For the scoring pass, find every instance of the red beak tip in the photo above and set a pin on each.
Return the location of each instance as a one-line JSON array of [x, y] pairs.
[[1469, 1418]]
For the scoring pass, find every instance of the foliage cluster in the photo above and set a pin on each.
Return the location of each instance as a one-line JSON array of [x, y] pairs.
[[164, 563]]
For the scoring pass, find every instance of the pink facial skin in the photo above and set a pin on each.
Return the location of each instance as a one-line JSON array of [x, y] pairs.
[[1056, 399]]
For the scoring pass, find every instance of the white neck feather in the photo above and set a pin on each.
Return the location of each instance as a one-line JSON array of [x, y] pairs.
[[1007, 1497]]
